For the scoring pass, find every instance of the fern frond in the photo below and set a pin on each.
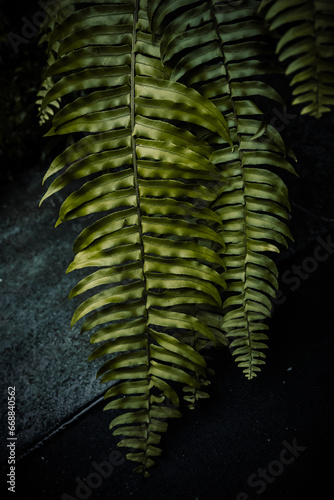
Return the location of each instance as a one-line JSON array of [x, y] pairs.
[[48, 112], [58, 16], [220, 52], [306, 46], [155, 243]]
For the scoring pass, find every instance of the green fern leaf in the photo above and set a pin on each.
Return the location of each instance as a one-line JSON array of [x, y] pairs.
[[306, 46], [218, 52], [155, 242]]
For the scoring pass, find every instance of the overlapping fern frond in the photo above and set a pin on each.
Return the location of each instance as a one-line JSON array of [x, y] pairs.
[[306, 46], [47, 112], [156, 244], [220, 51]]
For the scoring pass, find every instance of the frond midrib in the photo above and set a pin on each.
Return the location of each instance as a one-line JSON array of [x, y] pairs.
[[136, 182], [240, 155]]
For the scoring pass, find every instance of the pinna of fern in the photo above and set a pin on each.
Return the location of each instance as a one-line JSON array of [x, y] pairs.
[[155, 242]]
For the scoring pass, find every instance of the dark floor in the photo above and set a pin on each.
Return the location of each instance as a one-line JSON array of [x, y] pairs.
[[232, 447]]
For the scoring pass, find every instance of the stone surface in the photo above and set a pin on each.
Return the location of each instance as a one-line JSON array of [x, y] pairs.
[[40, 355]]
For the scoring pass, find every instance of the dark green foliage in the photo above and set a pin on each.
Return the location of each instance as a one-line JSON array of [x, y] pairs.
[[21, 66], [181, 170], [306, 45]]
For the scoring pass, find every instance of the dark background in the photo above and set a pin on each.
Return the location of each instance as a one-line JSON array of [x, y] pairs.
[[212, 452]]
